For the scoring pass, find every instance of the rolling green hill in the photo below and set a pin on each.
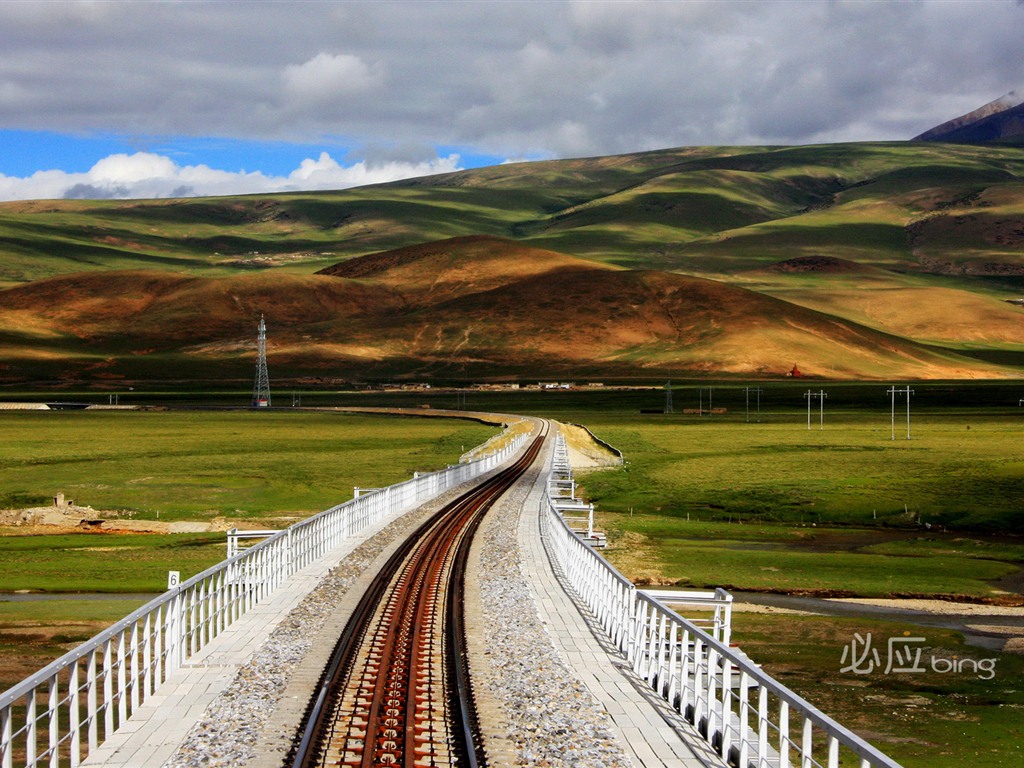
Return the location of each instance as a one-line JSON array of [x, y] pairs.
[[932, 235]]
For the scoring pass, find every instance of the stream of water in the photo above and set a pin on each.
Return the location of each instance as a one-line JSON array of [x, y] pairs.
[[960, 622]]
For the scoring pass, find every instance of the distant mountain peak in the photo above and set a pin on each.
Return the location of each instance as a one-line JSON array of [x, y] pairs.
[[1012, 99], [1001, 120]]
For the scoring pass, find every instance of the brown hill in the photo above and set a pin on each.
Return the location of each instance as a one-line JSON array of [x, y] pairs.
[[441, 270], [470, 306]]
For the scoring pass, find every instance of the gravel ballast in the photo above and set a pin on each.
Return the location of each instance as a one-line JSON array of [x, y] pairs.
[[541, 714], [536, 712]]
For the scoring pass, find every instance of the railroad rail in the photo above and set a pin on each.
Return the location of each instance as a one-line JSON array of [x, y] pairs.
[[396, 690]]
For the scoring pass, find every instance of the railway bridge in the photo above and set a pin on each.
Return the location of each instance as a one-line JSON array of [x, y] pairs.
[[463, 618]]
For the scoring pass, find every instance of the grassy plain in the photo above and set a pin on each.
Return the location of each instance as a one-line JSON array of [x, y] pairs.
[[957, 470], [945, 717], [771, 505], [32, 634], [198, 465], [269, 468], [774, 506]]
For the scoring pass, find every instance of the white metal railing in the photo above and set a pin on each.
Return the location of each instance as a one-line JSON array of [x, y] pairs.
[[716, 603], [63, 712], [749, 718]]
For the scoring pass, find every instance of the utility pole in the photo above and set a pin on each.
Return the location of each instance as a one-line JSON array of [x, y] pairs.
[[756, 390], [821, 397], [892, 393], [700, 391], [261, 389]]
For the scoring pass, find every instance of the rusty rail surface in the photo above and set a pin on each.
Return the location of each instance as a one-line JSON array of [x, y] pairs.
[[396, 690]]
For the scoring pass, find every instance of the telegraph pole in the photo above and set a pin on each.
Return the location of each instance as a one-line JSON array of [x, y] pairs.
[[892, 393], [700, 391], [821, 397], [756, 390]]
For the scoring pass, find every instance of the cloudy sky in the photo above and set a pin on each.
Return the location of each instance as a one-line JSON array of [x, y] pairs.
[[153, 99]]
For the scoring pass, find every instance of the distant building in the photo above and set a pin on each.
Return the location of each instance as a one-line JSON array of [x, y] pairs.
[[795, 373]]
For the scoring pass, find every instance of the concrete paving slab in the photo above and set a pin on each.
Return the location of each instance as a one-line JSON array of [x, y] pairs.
[[653, 735]]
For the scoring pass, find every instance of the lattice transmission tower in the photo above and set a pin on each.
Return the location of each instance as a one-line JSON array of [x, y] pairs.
[[261, 389], [668, 397]]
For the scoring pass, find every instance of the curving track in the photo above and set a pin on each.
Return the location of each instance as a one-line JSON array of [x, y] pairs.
[[396, 691]]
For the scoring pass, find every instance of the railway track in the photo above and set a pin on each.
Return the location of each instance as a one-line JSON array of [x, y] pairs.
[[396, 691]]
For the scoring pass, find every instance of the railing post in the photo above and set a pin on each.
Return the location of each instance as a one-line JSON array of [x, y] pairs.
[[92, 738], [108, 689], [686, 689], [699, 692], [53, 718], [122, 681], [30, 728], [726, 706], [74, 715], [134, 683], [711, 683], [6, 747], [672, 684], [784, 734], [833, 751], [290, 558], [744, 724], [147, 657], [762, 726], [807, 744]]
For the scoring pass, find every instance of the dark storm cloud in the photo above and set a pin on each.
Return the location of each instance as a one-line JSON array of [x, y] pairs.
[[93, 192], [506, 78]]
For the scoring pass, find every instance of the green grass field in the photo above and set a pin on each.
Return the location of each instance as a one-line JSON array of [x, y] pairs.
[[265, 467], [945, 717], [955, 471], [32, 634], [774, 506], [199, 465], [98, 563]]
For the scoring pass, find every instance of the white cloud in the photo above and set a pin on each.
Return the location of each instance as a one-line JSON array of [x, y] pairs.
[[124, 169], [148, 175], [327, 77]]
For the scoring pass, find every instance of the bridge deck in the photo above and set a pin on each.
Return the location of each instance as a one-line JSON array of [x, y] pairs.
[[651, 732], [155, 731]]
